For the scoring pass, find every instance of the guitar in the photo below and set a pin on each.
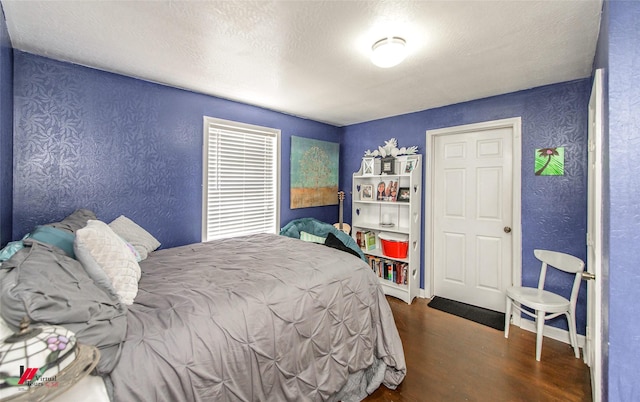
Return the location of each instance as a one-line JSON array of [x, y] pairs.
[[342, 226]]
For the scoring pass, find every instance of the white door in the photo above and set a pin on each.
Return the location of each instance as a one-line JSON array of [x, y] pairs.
[[592, 352], [472, 218]]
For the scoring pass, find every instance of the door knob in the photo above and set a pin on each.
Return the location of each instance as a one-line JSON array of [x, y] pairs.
[[588, 276], [507, 229]]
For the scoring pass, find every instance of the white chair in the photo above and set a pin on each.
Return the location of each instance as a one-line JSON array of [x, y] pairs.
[[546, 304]]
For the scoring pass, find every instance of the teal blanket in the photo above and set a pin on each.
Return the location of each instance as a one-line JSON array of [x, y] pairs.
[[319, 228]]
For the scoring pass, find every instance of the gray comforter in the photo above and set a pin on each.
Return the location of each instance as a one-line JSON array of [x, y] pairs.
[[259, 318]]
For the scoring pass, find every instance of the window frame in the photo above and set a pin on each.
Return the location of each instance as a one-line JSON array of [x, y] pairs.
[[208, 123]]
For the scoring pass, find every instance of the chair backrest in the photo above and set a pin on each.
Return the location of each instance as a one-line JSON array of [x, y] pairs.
[[563, 262]]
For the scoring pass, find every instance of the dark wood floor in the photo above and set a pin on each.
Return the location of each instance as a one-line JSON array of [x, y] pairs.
[[453, 359]]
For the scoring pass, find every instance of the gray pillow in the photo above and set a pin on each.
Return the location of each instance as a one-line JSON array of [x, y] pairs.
[[75, 221], [140, 239], [42, 283]]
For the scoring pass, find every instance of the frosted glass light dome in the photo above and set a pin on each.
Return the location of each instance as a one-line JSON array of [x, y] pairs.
[[388, 52]]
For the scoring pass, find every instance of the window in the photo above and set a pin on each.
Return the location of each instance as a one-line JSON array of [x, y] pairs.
[[241, 179]]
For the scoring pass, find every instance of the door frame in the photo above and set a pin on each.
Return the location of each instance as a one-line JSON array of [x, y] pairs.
[[515, 124]]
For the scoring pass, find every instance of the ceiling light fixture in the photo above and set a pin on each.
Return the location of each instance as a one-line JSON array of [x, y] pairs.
[[388, 52]]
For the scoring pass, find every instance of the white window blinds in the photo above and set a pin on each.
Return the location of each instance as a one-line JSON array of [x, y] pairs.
[[241, 189]]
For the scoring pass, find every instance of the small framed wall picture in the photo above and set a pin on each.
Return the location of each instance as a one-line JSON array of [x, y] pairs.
[[366, 193], [404, 194]]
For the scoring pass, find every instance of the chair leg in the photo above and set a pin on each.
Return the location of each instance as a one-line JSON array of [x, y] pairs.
[[539, 332], [507, 318], [573, 336]]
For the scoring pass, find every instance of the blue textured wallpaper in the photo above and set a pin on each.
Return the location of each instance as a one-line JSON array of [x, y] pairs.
[[553, 207], [624, 208], [116, 145], [6, 132]]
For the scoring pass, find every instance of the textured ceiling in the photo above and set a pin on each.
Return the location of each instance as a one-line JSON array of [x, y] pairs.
[[311, 58]]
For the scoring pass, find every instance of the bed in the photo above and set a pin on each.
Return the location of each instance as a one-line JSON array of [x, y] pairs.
[[255, 318]]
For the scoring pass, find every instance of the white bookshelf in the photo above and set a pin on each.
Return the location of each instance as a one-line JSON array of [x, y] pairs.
[[369, 212]]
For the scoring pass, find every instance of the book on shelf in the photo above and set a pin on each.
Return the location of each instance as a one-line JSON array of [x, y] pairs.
[[374, 263], [405, 269], [366, 240], [370, 240], [401, 273], [385, 269], [389, 270]]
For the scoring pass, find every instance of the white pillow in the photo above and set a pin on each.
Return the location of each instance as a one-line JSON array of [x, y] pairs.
[[139, 238], [100, 251]]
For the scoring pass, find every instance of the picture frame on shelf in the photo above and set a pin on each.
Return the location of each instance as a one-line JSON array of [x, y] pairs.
[[381, 190], [388, 165], [410, 165], [366, 192], [404, 194], [391, 191]]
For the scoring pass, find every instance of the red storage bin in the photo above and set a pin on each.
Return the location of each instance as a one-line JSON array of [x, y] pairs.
[[394, 245]]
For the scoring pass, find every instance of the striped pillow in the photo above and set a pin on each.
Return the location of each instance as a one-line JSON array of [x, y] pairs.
[[311, 238]]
